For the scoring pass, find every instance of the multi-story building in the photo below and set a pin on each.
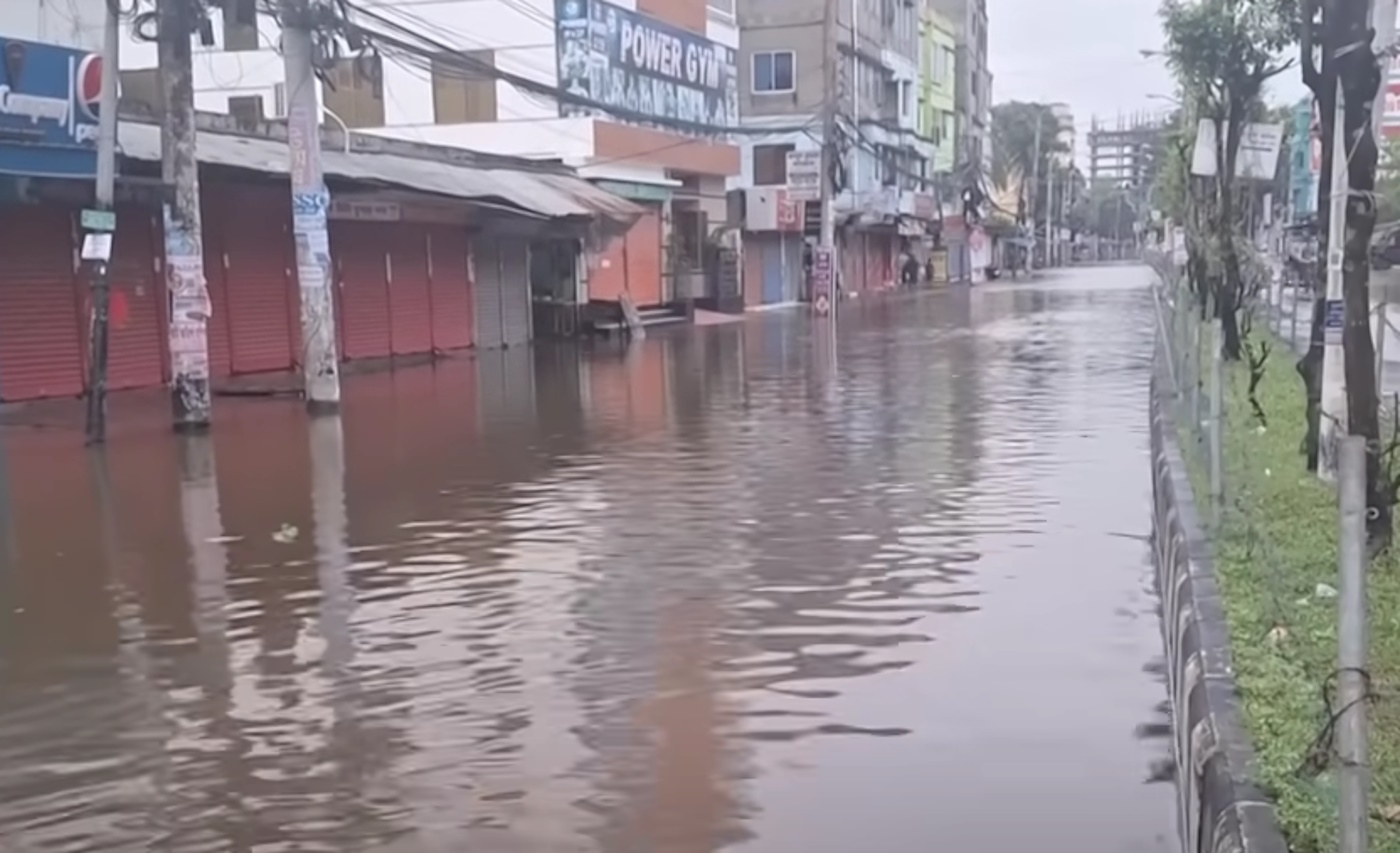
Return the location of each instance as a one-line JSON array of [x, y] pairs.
[[974, 81], [1304, 162], [884, 201], [938, 117], [668, 64]]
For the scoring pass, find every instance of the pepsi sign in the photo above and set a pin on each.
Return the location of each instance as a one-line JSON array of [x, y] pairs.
[[49, 98]]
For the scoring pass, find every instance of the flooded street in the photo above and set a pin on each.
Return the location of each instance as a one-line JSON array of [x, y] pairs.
[[707, 594]]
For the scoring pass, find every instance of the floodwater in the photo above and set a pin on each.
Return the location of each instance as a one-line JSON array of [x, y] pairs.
[[720, 591]]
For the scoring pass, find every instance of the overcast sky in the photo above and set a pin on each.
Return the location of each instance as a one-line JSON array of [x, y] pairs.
[[1086, 54]]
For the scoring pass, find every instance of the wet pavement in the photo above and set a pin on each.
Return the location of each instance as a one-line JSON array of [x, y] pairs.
[[709, 593]]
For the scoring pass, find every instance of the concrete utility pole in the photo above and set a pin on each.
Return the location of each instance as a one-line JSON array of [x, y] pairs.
[[98, 228], [188, 328], [310, 202], [1334, 392], [1050, 217], [1035, 189], [830, 153]]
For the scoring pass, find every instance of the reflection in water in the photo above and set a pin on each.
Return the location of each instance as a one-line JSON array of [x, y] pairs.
[[717, 589]]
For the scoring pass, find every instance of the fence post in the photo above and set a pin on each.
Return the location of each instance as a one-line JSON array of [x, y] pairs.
[[1293, 330], [1195, 374], [1354, 775], [1216, 391]]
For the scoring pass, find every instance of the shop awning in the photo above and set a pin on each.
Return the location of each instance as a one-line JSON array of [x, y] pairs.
[[550, 195]]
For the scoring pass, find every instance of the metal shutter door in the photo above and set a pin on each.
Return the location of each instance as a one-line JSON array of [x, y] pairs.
[[487, 265], [40, 350], [451, 288], [256, 231], [410, 302], [515, 292], [359, 253], [220, 350], [136, 346], [643, 259]]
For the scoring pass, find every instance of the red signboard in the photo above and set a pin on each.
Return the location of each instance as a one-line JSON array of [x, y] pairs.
[[789, 212]]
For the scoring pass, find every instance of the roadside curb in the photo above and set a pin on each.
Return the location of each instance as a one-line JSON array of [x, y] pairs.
[[1219, 808]]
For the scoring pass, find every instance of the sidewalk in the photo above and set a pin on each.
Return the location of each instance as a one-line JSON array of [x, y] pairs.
[[1281, 321]]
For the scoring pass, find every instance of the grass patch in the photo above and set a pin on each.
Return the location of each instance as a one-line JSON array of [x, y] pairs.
[[1279, 542]]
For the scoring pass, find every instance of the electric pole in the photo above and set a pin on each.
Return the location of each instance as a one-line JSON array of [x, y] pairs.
[[1035, 187], [310, 203], [98, 230], [826, 248], [1050, 217], [188, 329]]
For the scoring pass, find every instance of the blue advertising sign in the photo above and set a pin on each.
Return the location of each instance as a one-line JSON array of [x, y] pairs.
[[626, 60], [48, 110]]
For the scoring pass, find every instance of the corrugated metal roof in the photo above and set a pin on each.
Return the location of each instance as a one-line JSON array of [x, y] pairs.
[[544, 194]]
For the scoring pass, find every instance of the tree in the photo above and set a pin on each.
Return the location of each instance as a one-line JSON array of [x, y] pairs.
[[1222, 53], [1016, 157], [1356, 71]]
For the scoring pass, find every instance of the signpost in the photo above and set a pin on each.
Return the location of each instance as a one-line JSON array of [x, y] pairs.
[[804, 175]]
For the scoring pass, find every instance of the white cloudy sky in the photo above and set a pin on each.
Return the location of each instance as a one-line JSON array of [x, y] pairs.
[[1085, 53]]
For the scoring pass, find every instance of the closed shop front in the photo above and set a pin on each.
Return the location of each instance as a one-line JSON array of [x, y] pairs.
[[782, 268], [410, 300], [257, 279], [450, 287], [40, 331], [360, 254], [502, 291], [631, 264], [136, 343]]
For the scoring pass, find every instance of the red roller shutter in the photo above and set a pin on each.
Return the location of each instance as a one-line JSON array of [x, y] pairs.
[[220, 350], [643, 259], [40, 349], [451, 288], [358, 249], [255, 228], [410, 304], [136, 346]]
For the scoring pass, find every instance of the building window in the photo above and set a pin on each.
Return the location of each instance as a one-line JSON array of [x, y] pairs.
[[464, 94], [140, 88], [722, 9], [770, 165], [355, 92], [247, 110], [774, 71], [240, 24]]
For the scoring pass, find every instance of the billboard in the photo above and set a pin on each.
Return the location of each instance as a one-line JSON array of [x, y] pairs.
[[48, 110], [629, 61], [1257, 158]]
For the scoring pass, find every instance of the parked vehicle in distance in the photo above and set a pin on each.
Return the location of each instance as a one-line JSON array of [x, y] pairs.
[[1385, 248]]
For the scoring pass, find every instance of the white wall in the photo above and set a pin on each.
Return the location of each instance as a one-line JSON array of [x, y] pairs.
[[70, 23], [569, 139]]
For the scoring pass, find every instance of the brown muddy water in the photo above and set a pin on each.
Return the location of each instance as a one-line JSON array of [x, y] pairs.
[[711, 593]]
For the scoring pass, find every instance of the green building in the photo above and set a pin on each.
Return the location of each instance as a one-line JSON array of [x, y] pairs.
[[938, 51]]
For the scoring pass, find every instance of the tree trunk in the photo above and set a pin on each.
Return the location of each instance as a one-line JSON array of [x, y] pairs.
[[1360, 76], [1228, 299], [1310, 365]]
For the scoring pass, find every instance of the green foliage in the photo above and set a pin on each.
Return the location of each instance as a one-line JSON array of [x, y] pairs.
[[1014, 127], [1388, 183], [1220, 49], [1279, 542]]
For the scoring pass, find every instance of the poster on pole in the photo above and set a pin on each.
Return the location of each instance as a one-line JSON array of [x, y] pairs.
[[823, 279], [1257, 158]]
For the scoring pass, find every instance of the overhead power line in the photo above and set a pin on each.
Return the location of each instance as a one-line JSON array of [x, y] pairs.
[[413, 45]]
